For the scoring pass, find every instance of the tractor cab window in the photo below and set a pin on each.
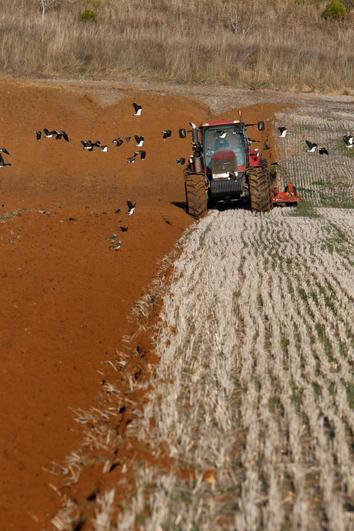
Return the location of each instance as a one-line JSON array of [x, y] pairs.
[[223, 139]]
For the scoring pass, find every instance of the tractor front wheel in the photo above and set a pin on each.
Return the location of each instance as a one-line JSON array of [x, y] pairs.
[[260, 190], [196, 195]]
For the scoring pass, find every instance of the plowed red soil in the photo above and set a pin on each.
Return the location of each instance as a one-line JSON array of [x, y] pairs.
[[65, 294]]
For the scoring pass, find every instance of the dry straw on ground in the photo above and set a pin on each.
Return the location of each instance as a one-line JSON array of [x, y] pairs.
[[255, 44]]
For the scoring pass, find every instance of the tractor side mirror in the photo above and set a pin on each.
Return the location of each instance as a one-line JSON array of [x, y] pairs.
[[261, 126], [182, 133]]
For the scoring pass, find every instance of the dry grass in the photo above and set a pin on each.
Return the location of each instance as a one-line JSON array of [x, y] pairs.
[[254, 384], [255, 44]]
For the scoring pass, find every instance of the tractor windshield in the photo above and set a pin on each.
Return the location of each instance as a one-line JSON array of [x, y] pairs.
[[223, 138]]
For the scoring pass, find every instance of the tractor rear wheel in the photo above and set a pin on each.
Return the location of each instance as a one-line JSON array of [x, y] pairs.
[[196, 195], [260, 190]]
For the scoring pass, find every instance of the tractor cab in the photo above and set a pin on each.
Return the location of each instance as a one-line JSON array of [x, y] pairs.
[[224, 148]]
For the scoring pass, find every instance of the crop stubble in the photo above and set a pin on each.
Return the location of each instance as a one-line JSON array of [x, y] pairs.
[[252, 391]]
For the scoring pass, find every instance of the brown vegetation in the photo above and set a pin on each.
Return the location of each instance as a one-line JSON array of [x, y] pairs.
[[255, 44]]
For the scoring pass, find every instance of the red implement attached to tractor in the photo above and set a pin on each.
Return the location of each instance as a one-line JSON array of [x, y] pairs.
[[224, 167]]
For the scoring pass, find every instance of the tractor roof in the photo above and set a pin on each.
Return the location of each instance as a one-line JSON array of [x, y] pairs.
[[221, 122]]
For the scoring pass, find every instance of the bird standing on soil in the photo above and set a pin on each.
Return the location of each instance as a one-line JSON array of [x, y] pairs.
[[62, 134], [117, 141], [3, 163], [311, 146], [4, 150], [38, 134], [323, 151], [138, 109], [141, 153], [166, 133], [131, 208], [181, 161], [88, 145], [348, 140], [132, 159], [282, 131], [139, 140]]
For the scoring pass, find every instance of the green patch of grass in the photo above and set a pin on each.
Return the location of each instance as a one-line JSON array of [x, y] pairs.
[[350, 394], [348, 152], [332, 389], [320, 182], [317, 389], [305, 209], [297, 393]]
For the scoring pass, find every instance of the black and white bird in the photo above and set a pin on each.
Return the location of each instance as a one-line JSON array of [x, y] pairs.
[[166, 133], [88, 145], [132, 159], [131, 208], [48, 133], [323, 151], [3, 163], [38, 134], [117, 141], [141, 153], [139, 140], [221, 134], [182, 133], [62, 134], [104, 149], [348, 140], [4, 150], [128, 139], [311, 146], [138, 109], [282, 131], [181, 161]]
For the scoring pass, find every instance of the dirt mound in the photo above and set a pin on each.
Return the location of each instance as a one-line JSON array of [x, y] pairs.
[[65, 291]]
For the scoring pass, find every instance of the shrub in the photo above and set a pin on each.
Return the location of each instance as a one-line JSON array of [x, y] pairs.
[[335, 9], [88, 15]]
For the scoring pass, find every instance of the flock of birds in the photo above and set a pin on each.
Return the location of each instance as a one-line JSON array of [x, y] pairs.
[[89, 145], [312, 147]]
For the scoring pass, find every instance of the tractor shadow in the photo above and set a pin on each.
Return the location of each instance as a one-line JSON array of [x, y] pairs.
[[221, 206]]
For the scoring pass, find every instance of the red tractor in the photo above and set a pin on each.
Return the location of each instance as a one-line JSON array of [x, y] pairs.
[[224, 167]]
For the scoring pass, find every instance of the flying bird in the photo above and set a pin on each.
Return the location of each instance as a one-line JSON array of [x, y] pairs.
[[282, 132], [4, 150], [348, 140], [181, 161], [131, 208], [138, 109], [117, 141], [323, 151], [311, 146], [38, 134], [3, 163], [166, 133], [139, 140]]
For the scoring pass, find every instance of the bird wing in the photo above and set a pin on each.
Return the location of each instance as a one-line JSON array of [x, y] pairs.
[[65, 136], [309, 144]]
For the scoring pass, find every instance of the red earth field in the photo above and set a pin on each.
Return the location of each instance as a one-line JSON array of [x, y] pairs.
[[65, 293]]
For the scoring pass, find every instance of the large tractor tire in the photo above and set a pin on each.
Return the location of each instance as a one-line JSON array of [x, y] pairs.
[[260, 190], [196, 195]]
